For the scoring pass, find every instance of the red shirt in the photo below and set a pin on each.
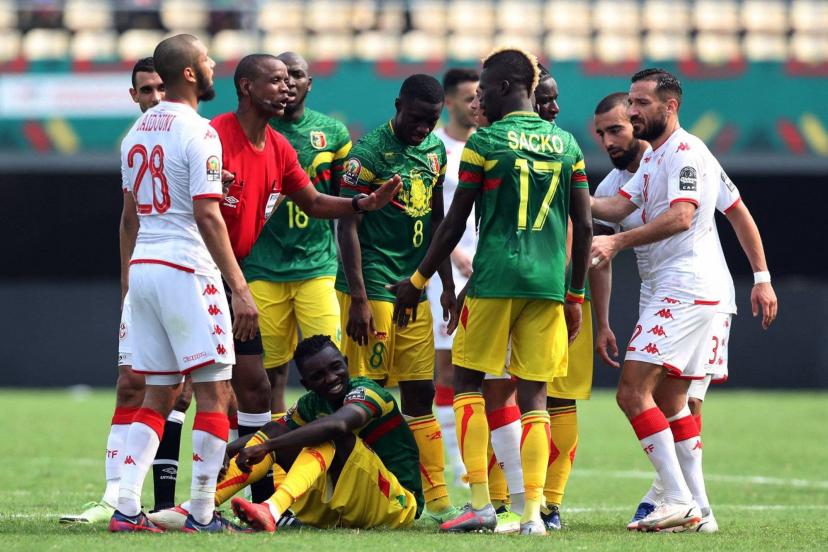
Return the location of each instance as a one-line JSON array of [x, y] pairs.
[[261, 176]]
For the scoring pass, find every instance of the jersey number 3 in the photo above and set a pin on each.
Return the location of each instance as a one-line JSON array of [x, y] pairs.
[[541, 168], [154, 162]]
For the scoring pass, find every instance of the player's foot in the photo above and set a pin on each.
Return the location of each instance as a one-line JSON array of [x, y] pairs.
[[534, 527], [288, 521], [707, 524], [484, 519], [552, 520], [171, 519], [257, 516], [93, 512], [441, 517], [644, 510], [507, 521], [216, 525], [668, 515], [121, 523]]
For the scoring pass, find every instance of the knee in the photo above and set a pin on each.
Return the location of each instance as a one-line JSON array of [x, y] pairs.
[[129, 390], [627, 399], [417, 397], [695, 406]]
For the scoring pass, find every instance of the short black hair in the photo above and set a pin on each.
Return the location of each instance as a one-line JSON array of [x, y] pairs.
[[667, 85], [143, 65], [543, 73], [311, 346], [173, 55], [515, 66], [249, 67], [456, 76], [422, 87], [609, 102]]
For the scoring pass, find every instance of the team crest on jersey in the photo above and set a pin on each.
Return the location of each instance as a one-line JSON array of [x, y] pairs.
[[687, 179], [213, 169], [352, 169], [318, 139], [434, 162], [415, 197]]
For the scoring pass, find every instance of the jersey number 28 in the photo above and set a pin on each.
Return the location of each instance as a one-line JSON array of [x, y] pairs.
[[541, 168], [154, 162]]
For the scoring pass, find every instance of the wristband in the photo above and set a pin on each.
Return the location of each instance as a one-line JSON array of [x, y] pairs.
[[418, 280], [573, 297], [355, 202], [761, 277]]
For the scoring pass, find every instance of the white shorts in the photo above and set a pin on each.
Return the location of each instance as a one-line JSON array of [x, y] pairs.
[[124, 337], [180, 325], [442, 340], [674, 335], [719, 338], [698, 388]]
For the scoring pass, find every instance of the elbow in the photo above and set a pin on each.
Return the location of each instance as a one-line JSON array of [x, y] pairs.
[[338, 429], [582, 228]]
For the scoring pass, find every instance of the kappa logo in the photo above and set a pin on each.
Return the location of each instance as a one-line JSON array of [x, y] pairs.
[[665, 313], [318, 139], [657, 331], [671, 301], [210, 290], [687, 179], [217, 330], [683, 147], [197, 458], [129, 460], [647, 159], [214, 310], [221, 350], [210, 135], [698, 445], [651, 349]]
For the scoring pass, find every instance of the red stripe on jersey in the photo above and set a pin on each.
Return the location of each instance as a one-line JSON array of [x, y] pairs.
[[197, 366], [579, 177], [165, 263], [382, 429], [684, 200], [735, 203], [492, 183], [470, 177], [371, 407], [703, 302], [208, 196], [324, 175], [357, 187], [625, 194], [674, 372]]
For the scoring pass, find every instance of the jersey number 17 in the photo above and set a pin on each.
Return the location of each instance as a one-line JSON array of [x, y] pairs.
[[541, 169]]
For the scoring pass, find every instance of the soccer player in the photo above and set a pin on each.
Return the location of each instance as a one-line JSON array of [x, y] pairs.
[[379, 248], [147, 91], [350, 458], [546, 96], [292, 266], [526, 175], [460, 87], [677, 187], [616, 132]]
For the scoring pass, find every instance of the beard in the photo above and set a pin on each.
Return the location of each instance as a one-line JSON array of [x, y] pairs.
[[206, 92], [624, 160], [652, 129]]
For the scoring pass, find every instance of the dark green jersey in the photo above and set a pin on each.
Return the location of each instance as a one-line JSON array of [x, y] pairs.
[[524, 168], [386, 433], [395, 238], [292, 245]]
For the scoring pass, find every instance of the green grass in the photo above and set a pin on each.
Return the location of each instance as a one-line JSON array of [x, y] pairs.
[[765, 458]]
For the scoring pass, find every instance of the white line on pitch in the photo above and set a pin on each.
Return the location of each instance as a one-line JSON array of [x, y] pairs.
[[755, 479]]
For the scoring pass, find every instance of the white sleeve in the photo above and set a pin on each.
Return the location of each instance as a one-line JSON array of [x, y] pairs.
[[633, 189], [607, 189], [204, 158], [684, 172], [729, 195], [126, 180]]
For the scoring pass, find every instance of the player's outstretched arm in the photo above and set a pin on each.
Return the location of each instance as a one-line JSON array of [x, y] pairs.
[[600, 286], [443, 242], [127, 235], [762, 295], [613, 209], [325, 206], [214, 232], [360, 320]]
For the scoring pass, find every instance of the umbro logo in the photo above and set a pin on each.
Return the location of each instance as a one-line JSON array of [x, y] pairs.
[[172, 470]]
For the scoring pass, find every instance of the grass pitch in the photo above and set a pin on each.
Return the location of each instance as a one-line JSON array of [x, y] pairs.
[[765, 459]]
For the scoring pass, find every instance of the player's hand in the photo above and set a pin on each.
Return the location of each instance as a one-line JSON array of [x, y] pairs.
[[572, 314], [449, 303], [762, 296], [607, 347], [463, 262], [603, 250], [251, 456], [227, 179], [360, 322], [245, 315], [454, 320], [382, 195], [405, 306]]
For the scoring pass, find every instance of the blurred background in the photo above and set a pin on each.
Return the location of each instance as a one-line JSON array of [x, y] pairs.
[[755, 75]]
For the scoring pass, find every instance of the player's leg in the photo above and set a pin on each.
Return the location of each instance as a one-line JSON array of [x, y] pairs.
[[503, 417], [165, 465]]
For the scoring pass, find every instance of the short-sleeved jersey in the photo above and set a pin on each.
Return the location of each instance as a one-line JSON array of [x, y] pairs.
[[261, 176], [170, 157], [525, 169], [682, 170], [386, 432], [394, 239], [292, 245], [454, 151]]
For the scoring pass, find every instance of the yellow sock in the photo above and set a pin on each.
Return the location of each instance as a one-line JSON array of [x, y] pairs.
[[235, 479], [563, 426], [498, 491], [279, 475], [429, 440], [306, 469], [534, 458], [472, 436]]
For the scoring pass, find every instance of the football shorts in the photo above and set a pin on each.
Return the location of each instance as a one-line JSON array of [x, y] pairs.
[[366, 495], [577, 384], [538, 336], [716, 362], [698, 388], [674, 335], [180, 325], [442, 340], [124, 338], [393, 354], [285, 308]]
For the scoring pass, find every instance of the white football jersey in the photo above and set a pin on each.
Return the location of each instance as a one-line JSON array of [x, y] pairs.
[[170, 157], [454, 150], [687, 265]]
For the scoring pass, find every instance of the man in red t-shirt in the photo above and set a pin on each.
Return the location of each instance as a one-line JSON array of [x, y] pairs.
[[265, 168]]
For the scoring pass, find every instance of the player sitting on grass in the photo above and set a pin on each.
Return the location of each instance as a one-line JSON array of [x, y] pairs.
[[350, 458]]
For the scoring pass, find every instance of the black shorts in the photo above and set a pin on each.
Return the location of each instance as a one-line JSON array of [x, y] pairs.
[[251, 347]]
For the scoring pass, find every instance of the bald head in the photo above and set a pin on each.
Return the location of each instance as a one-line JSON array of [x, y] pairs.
[[299, 84], [293, 59], [174, 54]]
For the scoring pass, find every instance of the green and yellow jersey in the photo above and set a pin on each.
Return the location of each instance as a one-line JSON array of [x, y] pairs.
[[395, 238], [386, 432], [292, 245], [524, 168]]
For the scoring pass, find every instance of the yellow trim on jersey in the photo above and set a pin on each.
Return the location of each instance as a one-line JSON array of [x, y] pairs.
[[521, 114], [443, 170], [321, 157], [385, 406], [579, 166], [472, 158], [489, 164], [343, 152], [367, 175]]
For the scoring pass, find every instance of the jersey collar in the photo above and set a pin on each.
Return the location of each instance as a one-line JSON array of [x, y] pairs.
[[521, 114]]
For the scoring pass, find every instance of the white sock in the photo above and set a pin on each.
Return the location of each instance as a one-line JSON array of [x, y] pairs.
[[689, 453], [177, 417], [114, 461], [506, 446], [233, 435], [661, 451], [654, 493], [208, 454], [253, 419], [139, 452], [445, 417]]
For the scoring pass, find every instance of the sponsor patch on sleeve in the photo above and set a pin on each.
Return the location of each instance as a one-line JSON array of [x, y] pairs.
[[687, 179], [727, 182], [213, 169], [357, 394], [351, 171]]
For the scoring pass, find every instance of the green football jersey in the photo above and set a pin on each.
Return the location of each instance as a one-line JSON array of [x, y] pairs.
[[386, 433], [292, 245], [395, 238], [524, 168]]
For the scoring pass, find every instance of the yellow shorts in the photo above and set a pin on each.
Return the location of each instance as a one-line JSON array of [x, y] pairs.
[[393, 354], [367, 495], [286, 307], [537, 328], [577, 384]]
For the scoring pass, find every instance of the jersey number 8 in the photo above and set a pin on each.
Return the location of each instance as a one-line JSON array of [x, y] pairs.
[[155, 163], [538, 167]]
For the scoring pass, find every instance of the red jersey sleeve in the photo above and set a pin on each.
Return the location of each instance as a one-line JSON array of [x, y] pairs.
[[294, 177]]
